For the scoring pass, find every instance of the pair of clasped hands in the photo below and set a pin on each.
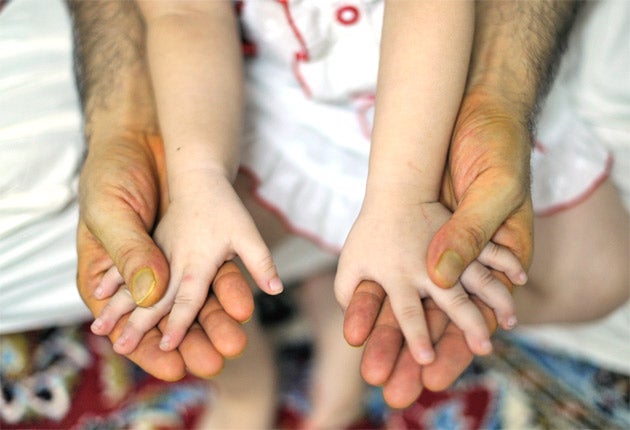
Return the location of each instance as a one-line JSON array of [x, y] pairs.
[[123, 194]]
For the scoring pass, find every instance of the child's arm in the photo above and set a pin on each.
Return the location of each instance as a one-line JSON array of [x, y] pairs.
[[195, 65], [424, 60]]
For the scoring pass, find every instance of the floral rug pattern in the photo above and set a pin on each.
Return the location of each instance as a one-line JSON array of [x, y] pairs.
[[67, 378]]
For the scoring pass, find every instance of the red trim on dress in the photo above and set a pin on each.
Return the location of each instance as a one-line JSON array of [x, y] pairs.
[[582, 197], [301, 55]]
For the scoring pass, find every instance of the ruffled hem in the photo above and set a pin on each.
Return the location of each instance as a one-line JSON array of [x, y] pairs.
[[568, 163]]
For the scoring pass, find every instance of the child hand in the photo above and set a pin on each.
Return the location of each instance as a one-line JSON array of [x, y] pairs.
[[389, 247], [199, 232]]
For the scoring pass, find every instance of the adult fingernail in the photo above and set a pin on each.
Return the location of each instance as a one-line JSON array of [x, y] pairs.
[[450, 267], [98, 293], [142, 284]]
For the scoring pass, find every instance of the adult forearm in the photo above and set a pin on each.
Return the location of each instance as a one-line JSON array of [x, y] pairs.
[[110, 68], [517, 46]]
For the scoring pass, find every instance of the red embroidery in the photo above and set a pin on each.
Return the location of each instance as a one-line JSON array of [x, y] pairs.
[[347, 15], [301, 55]]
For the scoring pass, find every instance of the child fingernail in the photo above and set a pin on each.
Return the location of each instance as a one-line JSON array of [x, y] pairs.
[[425, 356], [511, 323], [97, 325], [275, 286], [98, 293], [165, 342]]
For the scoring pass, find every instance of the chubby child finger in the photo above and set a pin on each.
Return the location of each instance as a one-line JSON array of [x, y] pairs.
[[141, 321], [109, 284], [407, 307], [258, 261], [479, 280], [190, 295], [503, 260], [118, 305], [456, 303]]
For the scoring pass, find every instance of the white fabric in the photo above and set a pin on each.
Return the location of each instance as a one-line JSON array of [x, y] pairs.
[[593, 94], [41, 147]]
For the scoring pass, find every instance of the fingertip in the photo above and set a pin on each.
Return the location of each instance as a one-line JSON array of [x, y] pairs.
[[166, 343], [275, 285], [96, 326], [424, 355], [510, 323], [483, 347], [520, 279]]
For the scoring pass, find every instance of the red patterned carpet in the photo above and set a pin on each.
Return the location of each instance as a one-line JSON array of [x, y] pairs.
[[67, 378]]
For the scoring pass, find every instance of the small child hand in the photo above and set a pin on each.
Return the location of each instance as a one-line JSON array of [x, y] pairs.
[[199, 232], [389, 247]]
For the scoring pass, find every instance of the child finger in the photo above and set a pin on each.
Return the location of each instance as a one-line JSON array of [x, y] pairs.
[[110, 282], [119, 305], [479, 280], [258, 260], [139, 323], [190, 295], [503, 260], [456, 303], [409, 313]]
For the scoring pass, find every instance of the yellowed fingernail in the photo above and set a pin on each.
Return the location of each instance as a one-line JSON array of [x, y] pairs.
[[450, 267], [142, 285]]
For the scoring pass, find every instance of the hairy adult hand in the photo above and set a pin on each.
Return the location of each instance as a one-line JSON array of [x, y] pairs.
[[122, 187], [486, 185]]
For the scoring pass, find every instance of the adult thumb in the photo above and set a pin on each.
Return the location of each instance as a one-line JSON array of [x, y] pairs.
[[140, 262], [461, 239]]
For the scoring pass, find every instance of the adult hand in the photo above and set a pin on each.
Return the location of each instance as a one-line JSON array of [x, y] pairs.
[[486, 186], [122, 185]]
